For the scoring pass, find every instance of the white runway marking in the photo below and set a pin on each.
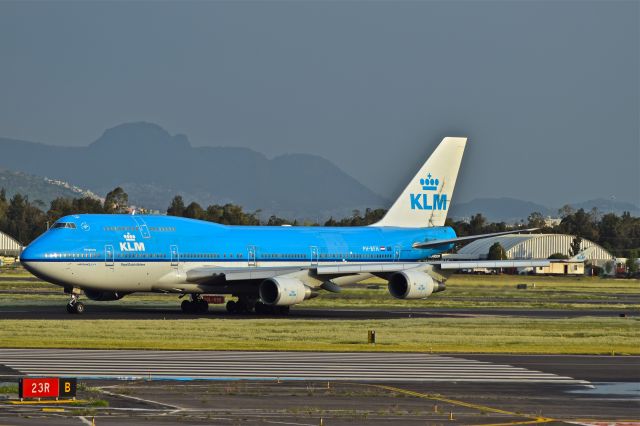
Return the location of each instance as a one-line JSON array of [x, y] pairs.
[[391, 367]]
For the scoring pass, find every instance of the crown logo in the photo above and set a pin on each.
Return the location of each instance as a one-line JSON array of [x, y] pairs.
[[129, 236], [429, 184]]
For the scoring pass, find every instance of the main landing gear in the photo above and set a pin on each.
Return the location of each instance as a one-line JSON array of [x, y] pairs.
[[197, 305], [246, 305], [74, 306], [263, 309]]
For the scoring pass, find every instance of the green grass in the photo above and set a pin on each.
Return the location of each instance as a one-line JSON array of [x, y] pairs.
[[488, 334], [8, 389], [586, 335], [463, 291]]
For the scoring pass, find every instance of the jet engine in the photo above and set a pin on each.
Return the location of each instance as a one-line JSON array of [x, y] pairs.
[[104, 296], [283, 291], [413, 285]]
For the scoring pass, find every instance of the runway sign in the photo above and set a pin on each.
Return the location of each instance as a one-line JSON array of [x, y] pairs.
[[68, 388], [47, 387]]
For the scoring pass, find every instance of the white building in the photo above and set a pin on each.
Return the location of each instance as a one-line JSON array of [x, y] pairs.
[[535, 246], [9, 249]]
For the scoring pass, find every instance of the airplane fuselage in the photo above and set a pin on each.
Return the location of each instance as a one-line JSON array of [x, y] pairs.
[[139, 253]]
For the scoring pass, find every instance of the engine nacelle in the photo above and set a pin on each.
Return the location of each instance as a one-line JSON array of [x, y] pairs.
[[283, 291], [413, 285], [104, 296]]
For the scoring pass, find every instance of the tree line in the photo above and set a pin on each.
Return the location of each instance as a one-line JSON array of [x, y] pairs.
[[618, 234], [231, 214], [25, 220]]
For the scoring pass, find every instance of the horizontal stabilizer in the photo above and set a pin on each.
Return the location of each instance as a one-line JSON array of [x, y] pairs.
[[436, 243]]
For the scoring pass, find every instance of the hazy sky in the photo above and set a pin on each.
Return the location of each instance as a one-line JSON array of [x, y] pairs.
[[548, 92]]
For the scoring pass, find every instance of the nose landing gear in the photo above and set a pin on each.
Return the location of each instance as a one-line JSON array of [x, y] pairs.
[[197, 305], [74, 306]]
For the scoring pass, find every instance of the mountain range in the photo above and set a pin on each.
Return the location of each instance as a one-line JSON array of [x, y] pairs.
[[41, 190], [153, 166]]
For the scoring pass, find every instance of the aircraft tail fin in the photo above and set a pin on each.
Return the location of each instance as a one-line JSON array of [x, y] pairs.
[[426, 200]]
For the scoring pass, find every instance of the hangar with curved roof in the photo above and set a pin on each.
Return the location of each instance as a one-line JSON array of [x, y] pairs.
[[533, 246], [9, 246]]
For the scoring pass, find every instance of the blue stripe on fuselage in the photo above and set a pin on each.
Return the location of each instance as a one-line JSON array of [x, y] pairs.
[[142, 238]]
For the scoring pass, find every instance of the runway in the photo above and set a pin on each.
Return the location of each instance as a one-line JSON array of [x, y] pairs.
[[216, 365], [106, 310], [302, 388]]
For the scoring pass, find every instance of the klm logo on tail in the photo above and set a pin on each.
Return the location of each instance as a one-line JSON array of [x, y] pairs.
[[424, 201]]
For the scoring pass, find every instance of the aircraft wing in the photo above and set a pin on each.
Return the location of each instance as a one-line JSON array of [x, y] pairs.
[[216, 275], [220, 275], [378, 268], [469, 264], [436, 243]]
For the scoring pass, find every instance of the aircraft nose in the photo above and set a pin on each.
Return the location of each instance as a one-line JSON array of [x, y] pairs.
[[36, 259], [30, 256], [25, 256]]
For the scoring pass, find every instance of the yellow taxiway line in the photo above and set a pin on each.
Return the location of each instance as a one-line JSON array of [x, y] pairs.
[[531, 419], [46, 402]]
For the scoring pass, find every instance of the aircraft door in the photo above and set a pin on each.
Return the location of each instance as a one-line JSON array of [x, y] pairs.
[[175, 256], [251, 255], [108, 256], [396, 253], [314, 255], [142, 226]]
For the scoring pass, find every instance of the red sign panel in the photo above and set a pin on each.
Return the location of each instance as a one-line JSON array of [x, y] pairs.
[[39, 388], [213, 299]]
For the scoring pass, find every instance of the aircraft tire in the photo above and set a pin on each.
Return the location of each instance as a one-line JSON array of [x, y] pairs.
[[202, 307], [186, 306], [70, 309], [78, 308], [242, 307], [260, 308], [232, 307]]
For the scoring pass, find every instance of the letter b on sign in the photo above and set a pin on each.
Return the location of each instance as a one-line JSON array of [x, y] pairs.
[[68, 387]]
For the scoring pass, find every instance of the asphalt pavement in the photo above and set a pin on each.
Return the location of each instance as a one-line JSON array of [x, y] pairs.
[[102, 310]]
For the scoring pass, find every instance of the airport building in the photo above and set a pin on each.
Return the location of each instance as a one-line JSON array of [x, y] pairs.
[[9, 249], [533, 246], [540, 246]]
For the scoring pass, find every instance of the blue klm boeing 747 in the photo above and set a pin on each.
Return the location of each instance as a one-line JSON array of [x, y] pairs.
[[267, 268]]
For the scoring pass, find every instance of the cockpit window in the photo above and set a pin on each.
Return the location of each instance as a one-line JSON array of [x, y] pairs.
[[69, 225]]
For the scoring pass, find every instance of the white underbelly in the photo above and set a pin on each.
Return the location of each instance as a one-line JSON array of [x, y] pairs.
[[137, 276]]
